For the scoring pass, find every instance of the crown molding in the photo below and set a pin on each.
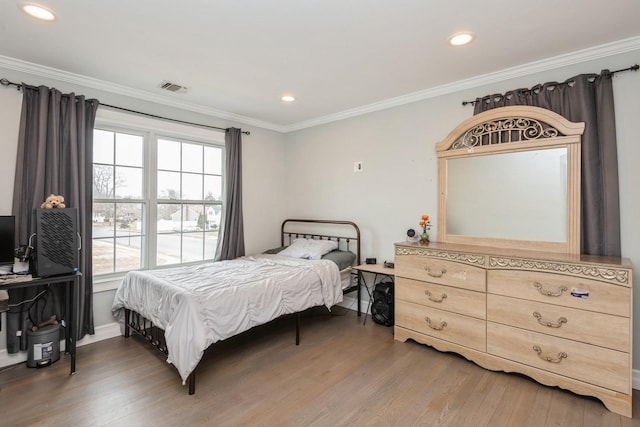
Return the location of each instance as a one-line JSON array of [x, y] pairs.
[[77, 79], [577, 57]]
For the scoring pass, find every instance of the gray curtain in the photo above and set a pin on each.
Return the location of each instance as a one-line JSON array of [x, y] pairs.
[[584, 98], [55, 155], [231, 238]]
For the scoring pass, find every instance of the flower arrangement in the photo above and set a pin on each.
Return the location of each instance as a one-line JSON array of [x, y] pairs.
[[426, 226]]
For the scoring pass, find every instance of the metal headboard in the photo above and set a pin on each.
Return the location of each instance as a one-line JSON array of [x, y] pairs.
[[349, 234]]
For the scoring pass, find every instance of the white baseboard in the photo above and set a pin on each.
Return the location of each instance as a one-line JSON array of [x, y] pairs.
[[7, 359], [351, 302], [101, 333], [635, 379]]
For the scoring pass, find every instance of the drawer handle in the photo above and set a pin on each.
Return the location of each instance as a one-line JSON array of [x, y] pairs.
[[558, 359], [549, 324], [431, 298], [435, 274], [557, 293], [439, 327]]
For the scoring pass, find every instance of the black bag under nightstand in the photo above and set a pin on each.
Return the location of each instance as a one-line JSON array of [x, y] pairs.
[[382, 306]]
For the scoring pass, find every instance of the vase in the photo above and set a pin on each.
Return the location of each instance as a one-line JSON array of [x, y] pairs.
[[424, 238]]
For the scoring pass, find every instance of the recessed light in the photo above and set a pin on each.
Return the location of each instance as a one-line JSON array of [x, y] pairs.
[[37, 11], [288, 98], [460, 39]]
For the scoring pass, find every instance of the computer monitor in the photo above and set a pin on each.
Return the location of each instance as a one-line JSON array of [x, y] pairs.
[[7, 239]]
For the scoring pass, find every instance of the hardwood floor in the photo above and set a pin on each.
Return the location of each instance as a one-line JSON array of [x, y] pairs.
[[343, 373]]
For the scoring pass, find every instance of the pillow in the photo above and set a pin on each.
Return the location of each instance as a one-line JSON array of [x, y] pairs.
[[344, 259], [274, 251], [309, 248]]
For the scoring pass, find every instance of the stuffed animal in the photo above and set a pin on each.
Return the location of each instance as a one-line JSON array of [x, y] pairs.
[[52, 202]]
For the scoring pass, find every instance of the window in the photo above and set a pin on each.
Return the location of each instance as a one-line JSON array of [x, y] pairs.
[[189, 201], [118, 201], [157, 196]]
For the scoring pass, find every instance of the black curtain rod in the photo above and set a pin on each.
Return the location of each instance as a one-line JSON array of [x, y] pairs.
[[632, 68], [246, 132], [7, 83]]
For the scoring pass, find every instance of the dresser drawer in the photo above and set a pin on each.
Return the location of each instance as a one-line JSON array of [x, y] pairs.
[[592, 364], [458, 300], [452, 327], [600, 329], [440, 271], [560, 289]]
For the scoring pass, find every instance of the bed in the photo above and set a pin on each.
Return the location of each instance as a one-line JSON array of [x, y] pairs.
[[182, 311]]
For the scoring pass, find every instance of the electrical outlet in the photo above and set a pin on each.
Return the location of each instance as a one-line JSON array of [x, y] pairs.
[[357, 166]]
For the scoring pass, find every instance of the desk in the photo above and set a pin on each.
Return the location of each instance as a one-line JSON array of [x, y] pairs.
[[376, 270], [71, 282]]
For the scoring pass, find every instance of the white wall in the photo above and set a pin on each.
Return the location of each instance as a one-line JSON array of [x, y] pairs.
[[399, 178], [263, 169], [10, 107], [398, 182]]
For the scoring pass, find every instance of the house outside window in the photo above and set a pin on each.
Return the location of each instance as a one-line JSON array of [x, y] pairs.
[[157, 194]]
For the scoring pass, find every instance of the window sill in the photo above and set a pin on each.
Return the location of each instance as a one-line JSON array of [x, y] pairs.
[[106, 284]]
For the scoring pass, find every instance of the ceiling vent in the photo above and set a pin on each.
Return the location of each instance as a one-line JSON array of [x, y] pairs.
[[173, 87]]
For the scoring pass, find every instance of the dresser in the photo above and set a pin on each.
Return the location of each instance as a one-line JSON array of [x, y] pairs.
[[564, 320]]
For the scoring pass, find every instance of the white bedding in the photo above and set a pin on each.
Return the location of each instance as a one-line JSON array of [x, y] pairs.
[[200, 305]]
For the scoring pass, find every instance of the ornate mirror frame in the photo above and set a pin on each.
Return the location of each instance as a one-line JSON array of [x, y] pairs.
[[510, 130]]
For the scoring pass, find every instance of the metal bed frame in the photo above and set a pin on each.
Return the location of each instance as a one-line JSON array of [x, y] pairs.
[[290, 230]]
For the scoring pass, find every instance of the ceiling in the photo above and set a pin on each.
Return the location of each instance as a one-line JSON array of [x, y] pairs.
[[335, 56]]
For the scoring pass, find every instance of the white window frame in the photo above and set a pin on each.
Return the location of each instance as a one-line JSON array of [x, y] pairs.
[[152, 129]]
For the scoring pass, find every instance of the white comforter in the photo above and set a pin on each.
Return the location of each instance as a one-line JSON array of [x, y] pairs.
[[199, 305]]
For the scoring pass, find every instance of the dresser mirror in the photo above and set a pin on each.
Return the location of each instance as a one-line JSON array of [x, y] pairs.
[[510, 177]]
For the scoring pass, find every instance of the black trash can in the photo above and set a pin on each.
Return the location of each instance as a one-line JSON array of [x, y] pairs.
[[382, 305]]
